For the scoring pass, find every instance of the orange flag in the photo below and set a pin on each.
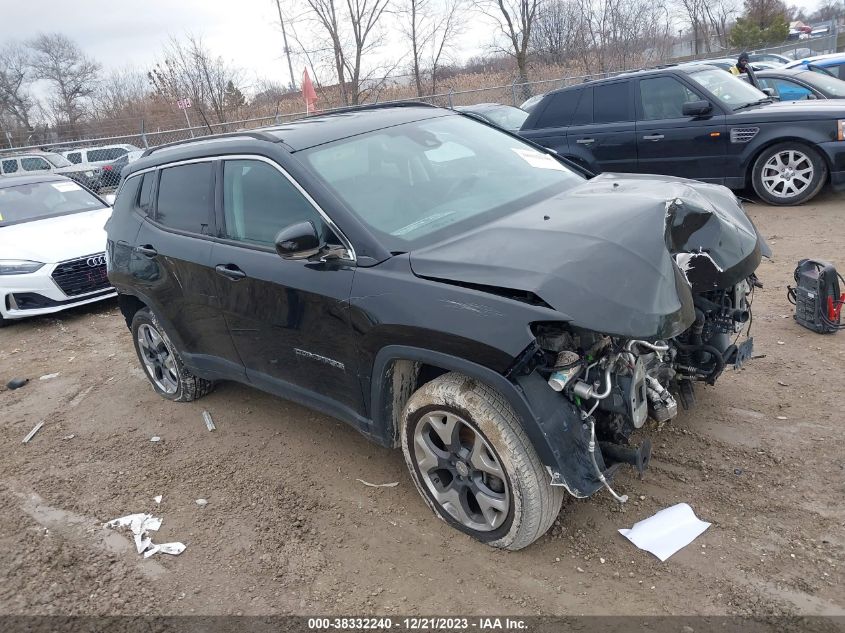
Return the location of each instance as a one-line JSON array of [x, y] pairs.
[[308, 93]]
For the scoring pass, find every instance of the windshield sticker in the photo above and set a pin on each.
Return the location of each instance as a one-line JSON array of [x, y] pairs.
[[64, 187], [538, 160]]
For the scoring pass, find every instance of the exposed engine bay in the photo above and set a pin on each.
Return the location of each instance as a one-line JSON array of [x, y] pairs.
[[647, 290], [618, 384]]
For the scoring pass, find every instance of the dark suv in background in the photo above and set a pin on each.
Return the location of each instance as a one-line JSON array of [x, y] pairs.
[[699, 122], [441, 285]]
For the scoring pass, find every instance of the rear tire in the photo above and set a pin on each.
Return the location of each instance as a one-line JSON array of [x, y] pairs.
[[161, 362], [788, 174], [487, 481]]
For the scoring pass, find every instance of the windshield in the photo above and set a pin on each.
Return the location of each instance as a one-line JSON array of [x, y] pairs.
[[730, 90], [506, 117], [57, 160], [35, 201], [830, 86], [418, 182]]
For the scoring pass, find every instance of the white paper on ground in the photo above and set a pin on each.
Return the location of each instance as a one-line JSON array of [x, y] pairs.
[[666, 532], [139, 524]]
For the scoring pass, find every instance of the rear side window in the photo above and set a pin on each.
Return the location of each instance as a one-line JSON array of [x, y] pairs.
[[259, 201], [109, 153], [10, 166], [125, 201], [558, 112], [612, 103], [145, 197], [584, 110], [75, 157], [184, 197], [35, 163]]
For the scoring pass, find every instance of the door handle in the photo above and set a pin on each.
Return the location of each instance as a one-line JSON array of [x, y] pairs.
[[653, 137], [585, 141], [146, 250], [230, 271]]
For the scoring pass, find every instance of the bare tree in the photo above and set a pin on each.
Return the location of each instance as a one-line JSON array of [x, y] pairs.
[[708, 19], [352, 28], [189, 69], [431, 27], [514, 19], [16, 102], [121, 93], [619, 34], [554, 36], [72, 75]]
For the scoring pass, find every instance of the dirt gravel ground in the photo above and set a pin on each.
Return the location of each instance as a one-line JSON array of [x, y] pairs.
[[288, 529]]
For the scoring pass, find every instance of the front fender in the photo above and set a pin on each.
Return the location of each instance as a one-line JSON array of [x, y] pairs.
[[552, 423]]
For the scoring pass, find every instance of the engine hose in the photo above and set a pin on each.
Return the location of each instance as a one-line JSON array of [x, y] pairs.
[[599, 474], [717, 359], [655, 347]]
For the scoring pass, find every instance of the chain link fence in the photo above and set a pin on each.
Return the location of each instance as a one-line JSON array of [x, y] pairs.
[[514, 93]]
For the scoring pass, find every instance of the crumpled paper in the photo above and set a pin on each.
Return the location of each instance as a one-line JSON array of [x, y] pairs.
[[140, 524]]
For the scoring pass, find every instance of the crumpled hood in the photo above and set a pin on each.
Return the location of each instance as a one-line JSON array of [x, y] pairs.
[[56, 239], [618, 254]]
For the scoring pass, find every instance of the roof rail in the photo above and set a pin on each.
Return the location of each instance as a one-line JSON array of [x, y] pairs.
[[256, 134], [377, 106]]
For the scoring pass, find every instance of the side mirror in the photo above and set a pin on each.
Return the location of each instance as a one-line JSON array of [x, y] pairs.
[[298, 241], [768, 91], [696, 108]]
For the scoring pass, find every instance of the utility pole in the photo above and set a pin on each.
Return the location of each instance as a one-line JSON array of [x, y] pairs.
[[287, 49]]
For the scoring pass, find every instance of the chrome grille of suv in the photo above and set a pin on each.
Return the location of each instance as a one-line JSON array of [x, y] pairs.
[[82, 275]]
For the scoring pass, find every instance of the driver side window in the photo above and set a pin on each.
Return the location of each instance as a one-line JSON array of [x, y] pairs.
[[259, 201], [664, 98]]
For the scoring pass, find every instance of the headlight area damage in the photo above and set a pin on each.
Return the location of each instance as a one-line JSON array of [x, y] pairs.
[[658, 301]]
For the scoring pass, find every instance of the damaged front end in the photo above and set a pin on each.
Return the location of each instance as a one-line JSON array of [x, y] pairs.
[[649, 279], [617, 382]]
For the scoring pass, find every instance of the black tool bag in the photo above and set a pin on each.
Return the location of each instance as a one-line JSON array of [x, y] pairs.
[[816, 296]]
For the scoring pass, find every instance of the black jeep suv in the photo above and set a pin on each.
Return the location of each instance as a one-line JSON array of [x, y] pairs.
[[696, 121], [441, 285]]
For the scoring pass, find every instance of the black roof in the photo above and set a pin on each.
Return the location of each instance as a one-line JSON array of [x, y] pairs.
[[672, 69], [307, 132], [12, 181], [785, 72]]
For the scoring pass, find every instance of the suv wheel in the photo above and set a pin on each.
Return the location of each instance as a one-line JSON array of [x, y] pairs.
[[474, 465], [788, 174], [162, 363]]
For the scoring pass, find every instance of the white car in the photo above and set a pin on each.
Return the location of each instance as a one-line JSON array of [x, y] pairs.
[[97, 156], [52, 246]]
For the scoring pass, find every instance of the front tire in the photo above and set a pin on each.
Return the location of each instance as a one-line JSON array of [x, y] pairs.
[[472, 462], [788, 174], [161, 362]]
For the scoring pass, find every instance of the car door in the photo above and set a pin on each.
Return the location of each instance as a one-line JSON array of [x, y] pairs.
[[602, 134], [554, 115], [172, 264], [673, 144], [289, 319]]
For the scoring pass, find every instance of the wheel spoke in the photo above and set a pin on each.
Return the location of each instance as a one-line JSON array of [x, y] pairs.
[[452, 501], [493, 505], [446, 427], [481, 458], [428, 456]]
